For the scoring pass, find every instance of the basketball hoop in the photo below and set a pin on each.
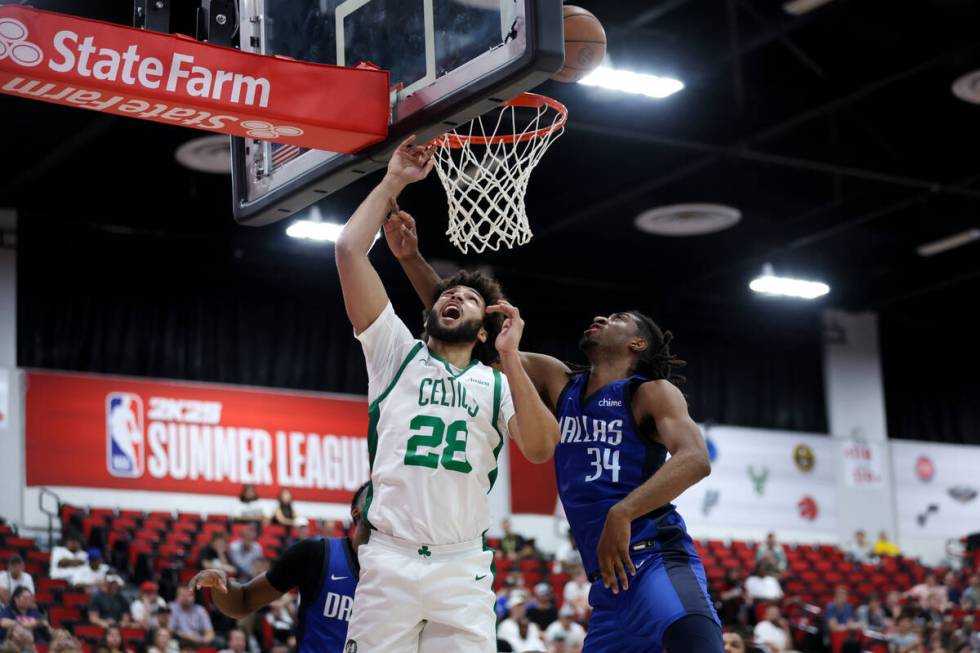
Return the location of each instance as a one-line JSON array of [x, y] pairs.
[[485, 166]]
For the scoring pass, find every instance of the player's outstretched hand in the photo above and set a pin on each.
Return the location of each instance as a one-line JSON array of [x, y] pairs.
[[400, 233], [509, 339], [411, 163], [213, 578], [614, 552]]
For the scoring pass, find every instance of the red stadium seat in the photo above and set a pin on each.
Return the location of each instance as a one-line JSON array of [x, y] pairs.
[[102, 512], [45, 584], [155, 525], [184, 526], [133, 634], [60, 616], [89, 632], [172, 550], [132, 514], [161, 515], [218, 518], [40, 557], [20, 542], [44, 598], [125, 523], [189, 516], [213, 527], [75, 599]]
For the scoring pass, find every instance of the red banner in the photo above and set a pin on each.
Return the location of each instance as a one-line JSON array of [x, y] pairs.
[[178, 80], [111, 432]]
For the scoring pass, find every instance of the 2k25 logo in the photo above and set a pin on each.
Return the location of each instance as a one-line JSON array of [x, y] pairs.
[[14, 44], [125, 442]]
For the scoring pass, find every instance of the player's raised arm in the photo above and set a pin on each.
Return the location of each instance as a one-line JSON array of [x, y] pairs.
[[533, 426], [662, 402], [364, 294], [548, 374]]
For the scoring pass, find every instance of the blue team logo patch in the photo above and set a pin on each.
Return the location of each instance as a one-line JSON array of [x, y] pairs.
[[125, 435]]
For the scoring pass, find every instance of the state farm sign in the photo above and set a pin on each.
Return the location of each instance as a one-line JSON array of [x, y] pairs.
[[173, 78]]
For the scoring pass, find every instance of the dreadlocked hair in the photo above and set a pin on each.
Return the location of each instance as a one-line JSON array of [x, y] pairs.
[[657, 361], [491, 292]]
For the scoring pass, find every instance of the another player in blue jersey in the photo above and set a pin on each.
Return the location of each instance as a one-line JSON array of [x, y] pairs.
[[619, 419], [324, 570]]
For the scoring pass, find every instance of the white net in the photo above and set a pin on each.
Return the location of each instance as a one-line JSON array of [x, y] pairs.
[[485, 167]]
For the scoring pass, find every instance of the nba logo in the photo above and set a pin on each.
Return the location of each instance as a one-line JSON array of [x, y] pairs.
[[125, 450]]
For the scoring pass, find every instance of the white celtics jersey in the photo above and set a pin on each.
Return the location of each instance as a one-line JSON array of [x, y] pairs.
[[434, 435]]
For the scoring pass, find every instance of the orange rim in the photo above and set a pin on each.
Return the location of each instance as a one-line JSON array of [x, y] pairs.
[[528, 100]]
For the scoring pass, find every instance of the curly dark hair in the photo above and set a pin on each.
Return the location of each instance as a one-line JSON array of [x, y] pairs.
[[656, 361], [490, 290]]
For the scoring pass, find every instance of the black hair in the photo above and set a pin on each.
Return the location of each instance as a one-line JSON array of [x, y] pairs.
[[17, 592], [491, 292], [656, 361], [357, 501]]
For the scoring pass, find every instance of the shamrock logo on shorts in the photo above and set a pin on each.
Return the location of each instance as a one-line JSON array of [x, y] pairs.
[[424, 551]]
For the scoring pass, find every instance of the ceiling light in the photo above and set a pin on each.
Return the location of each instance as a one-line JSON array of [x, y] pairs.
[[770, 284], [687, 219], [967, 87], [946, 244], [630, 82], [800, 7], [206, 154], [316, 229]]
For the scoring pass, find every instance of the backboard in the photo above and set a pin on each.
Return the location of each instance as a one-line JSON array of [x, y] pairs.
[[449, 61]]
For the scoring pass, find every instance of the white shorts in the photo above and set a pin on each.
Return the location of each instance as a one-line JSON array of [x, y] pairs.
[[414, 598]]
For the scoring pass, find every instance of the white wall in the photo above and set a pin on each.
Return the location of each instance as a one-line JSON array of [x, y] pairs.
[[855, 399], [11, 432]]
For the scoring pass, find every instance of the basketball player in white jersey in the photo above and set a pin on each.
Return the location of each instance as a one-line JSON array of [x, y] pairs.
[[438, 418]]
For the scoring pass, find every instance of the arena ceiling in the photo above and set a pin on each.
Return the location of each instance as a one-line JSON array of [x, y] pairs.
[[835, 133]]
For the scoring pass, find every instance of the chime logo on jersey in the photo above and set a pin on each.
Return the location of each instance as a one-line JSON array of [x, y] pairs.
[[125, 441]]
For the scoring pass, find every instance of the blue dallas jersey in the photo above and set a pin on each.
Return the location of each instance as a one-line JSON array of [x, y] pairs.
[[323, 621], [602, 457]]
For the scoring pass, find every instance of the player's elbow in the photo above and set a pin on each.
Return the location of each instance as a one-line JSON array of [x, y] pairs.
[[539, 451], [702, 466]]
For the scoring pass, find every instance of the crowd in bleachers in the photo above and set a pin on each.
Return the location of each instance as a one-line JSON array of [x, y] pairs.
[[117, 583]]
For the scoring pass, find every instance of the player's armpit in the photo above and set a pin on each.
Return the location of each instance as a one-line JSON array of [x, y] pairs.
[[548, 374]]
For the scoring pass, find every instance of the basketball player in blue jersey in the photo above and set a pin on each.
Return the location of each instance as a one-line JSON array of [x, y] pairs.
[[619, 419], [324, 570]]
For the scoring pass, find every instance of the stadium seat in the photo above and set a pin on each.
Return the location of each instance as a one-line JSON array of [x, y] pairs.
[[64, 616], [189, 516], [89, 632], [45, 584], [75, 599], [133, 635]]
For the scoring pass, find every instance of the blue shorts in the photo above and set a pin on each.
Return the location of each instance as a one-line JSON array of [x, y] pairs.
[[669, 585]]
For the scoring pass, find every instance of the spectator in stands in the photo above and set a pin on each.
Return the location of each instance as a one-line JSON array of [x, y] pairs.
[[961, 636], [285, 514], [18, 640], [112, 642], [215, 554], [63, 641], [260, 566], [302, 529], [163, 642], [733, 643], [872, 614], [731, 595], [565, 629], [68, 558], [541, 609], [237, 641], [517, 630], [762, 584], [933, 611], [774, 549], [773, 631], [14, 577], [972, 592], [281, 619], [930, 587], [23, 612], [248, 505], [513, 545], [190, 621], [953, 591], [839, 614], [885, 547], [144, 608], [860, 549], [568, 556], [109, 606], [576, 592], [91, 576], [162, 619], [904, 639], [244, 552], [893, 607]]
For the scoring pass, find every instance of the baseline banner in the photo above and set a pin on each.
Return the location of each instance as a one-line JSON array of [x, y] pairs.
[[178, 80], [936, 488], [121, 433]]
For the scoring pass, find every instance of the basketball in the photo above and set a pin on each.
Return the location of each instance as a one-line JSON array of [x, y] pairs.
[[585, 44]]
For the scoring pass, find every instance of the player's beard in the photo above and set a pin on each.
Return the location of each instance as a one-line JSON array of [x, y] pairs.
[[586, 343], [463, 332]]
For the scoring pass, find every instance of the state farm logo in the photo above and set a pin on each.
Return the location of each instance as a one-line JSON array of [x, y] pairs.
[[14, 44], [262, 129]]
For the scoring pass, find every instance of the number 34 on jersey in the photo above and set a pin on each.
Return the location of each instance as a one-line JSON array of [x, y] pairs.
[[603, 461]]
